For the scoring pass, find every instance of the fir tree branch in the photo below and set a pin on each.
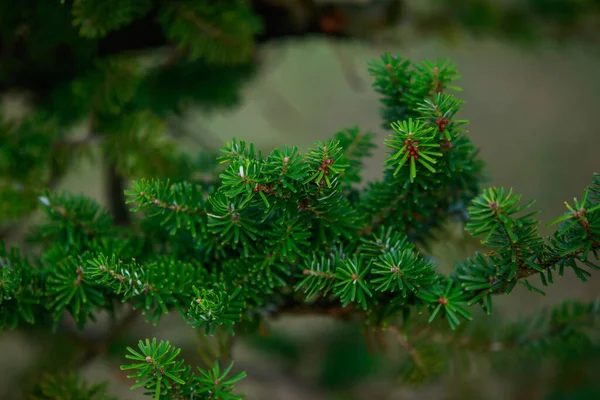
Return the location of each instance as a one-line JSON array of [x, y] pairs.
[[221, 33], [542, 330], [492, 216], [286, 233], [524, 273], [206, 28], [376, 220]]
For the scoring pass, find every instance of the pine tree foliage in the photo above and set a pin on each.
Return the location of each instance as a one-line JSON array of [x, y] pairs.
[[176, 380], [288, 232], [125, 97], [94, 68], [562, 333], [97, 19], [219, 32]]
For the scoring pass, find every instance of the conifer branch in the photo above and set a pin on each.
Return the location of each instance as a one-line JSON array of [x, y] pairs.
[[291, 233], [206, 27]]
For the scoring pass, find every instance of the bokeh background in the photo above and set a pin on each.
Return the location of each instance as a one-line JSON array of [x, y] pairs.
[[533, 112]]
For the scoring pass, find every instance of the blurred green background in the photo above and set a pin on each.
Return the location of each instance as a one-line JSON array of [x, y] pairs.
[[533, 113]]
